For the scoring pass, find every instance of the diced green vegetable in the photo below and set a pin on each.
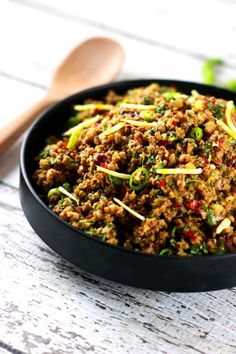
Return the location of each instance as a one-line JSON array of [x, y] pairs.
[[173, 231], [211, 219], [160, 109], [170, 95], [196, 250], [152, 131], [44, 153], [67, 186], [115, 180], [172, 242], [218, 110], [72, 121], [139, 179], [172, 136], [147, 100], [196, 133], [208, 70], [161, 165], [221, 248], [150, 159]]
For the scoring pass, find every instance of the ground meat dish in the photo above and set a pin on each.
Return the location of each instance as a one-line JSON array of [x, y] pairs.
[[152, 171]]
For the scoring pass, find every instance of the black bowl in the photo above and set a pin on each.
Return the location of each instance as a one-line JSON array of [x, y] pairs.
[[167, 273]]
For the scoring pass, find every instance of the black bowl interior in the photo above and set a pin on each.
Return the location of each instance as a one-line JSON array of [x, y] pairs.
[[168, 273]]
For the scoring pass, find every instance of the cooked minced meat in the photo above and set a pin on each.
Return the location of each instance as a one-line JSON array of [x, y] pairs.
[[152, 170]]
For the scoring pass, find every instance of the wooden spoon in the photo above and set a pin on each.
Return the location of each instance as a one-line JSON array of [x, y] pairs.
[[94, 62]]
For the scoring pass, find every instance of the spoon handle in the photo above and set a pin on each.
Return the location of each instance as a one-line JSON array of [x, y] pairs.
[[12, 131]]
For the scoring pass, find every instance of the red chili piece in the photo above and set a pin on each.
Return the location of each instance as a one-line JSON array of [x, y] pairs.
[[190, 234], [103, 164], [194, 205], [161, 183]]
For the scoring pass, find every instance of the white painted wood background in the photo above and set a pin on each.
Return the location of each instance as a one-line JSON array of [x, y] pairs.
[[46, 304]]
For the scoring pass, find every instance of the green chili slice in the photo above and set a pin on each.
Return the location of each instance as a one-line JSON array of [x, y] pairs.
[[165, 252], [196, 133], [139, 179], [52, 192], [148, 116]]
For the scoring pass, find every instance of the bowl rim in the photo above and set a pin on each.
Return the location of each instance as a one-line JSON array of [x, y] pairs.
[[64, 102]]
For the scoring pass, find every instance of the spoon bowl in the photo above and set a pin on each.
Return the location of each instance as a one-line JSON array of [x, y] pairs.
[[94, 62]]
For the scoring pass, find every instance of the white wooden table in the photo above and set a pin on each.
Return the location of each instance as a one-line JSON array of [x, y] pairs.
[[46, 304]]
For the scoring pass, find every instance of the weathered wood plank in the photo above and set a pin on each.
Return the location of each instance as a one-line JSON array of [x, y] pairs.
[[181, 26], [39, 53], [51, 306]]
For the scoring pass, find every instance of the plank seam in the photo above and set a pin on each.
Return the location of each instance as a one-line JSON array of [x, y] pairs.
[[21, 80], [10, 349]]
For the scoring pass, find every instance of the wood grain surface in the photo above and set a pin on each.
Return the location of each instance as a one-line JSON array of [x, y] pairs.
[[47, 305]]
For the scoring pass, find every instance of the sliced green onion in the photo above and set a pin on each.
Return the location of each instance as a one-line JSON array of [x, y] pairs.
[[172, 136], [221, 248], [208, 70], [169, 95], [196, 250], [173, 231], [211, 219], [147, 100], [139, 179], [196, 133]]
